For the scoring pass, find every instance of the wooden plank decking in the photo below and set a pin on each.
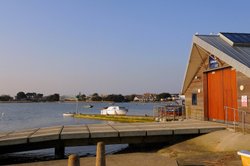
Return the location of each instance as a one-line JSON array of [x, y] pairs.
[[59, 137]]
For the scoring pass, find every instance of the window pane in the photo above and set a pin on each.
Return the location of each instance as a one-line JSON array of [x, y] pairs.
[[194, 99]]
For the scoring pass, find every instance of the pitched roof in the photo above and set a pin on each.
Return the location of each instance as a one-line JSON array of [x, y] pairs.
[[229, 47]]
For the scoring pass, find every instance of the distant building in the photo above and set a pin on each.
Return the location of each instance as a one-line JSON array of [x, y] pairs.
[[217, 76], [147, 97], [175, 96], [68, 98], [138, 98]]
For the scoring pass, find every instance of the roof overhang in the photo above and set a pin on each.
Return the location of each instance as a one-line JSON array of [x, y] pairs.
[[196, 59], [199, 52]]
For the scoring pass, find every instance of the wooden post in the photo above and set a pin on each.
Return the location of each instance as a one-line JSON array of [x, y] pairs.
[[73, 160], [100, 154]]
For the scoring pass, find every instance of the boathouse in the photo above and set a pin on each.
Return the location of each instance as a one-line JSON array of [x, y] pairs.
[[217, 79]]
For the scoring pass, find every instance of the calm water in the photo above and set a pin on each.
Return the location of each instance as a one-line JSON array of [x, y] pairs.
[[16, 116]]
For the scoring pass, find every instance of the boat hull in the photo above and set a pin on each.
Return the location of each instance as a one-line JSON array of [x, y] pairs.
[[114, 111], [88, 106], [108, 112], [68, 114]]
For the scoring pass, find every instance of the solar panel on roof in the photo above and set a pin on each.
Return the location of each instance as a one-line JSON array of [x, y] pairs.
[[237, 39]]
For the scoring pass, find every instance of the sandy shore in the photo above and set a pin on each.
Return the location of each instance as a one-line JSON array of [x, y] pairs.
[[217, 148]]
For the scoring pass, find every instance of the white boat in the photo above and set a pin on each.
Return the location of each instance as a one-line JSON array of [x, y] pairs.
[[88, 106], [69, 114], [114, 110]]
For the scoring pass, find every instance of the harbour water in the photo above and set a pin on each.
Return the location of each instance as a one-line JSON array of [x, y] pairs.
[[18, 116]]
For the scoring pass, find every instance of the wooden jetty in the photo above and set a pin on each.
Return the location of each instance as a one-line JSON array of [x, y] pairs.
[[59, 137]]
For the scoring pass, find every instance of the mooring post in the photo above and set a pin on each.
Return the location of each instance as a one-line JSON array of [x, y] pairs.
[[59, 151], [100, 154], [73, 160]]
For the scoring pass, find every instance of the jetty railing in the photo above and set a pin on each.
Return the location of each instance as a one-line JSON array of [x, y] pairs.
[[240, 119], [169, 113]]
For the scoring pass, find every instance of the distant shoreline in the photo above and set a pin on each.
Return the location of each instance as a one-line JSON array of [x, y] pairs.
[[79, 102]]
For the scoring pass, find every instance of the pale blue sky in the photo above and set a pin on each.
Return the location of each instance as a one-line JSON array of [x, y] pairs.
[[106, 46]]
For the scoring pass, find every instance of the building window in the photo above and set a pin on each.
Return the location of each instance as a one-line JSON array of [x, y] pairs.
[[194, 99]]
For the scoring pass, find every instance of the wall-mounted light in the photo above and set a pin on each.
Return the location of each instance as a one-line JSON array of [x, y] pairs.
[[199, 90], [242, 87], [197, 78]]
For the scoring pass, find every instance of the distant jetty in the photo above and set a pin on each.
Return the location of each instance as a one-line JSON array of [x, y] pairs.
[[127, 118]]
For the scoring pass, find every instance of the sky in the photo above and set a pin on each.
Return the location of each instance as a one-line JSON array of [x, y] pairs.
[[106, 46]]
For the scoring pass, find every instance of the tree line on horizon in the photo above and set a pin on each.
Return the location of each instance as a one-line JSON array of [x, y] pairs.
[[38, 97], [119, 97], [31, 97]]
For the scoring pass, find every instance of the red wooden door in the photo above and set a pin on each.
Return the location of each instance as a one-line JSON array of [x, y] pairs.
[[215, 95], [221, 92], [230, 93]]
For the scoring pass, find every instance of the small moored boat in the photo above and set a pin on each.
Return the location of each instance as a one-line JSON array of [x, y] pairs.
[[114, 110], [88, 106], [69, 114]]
